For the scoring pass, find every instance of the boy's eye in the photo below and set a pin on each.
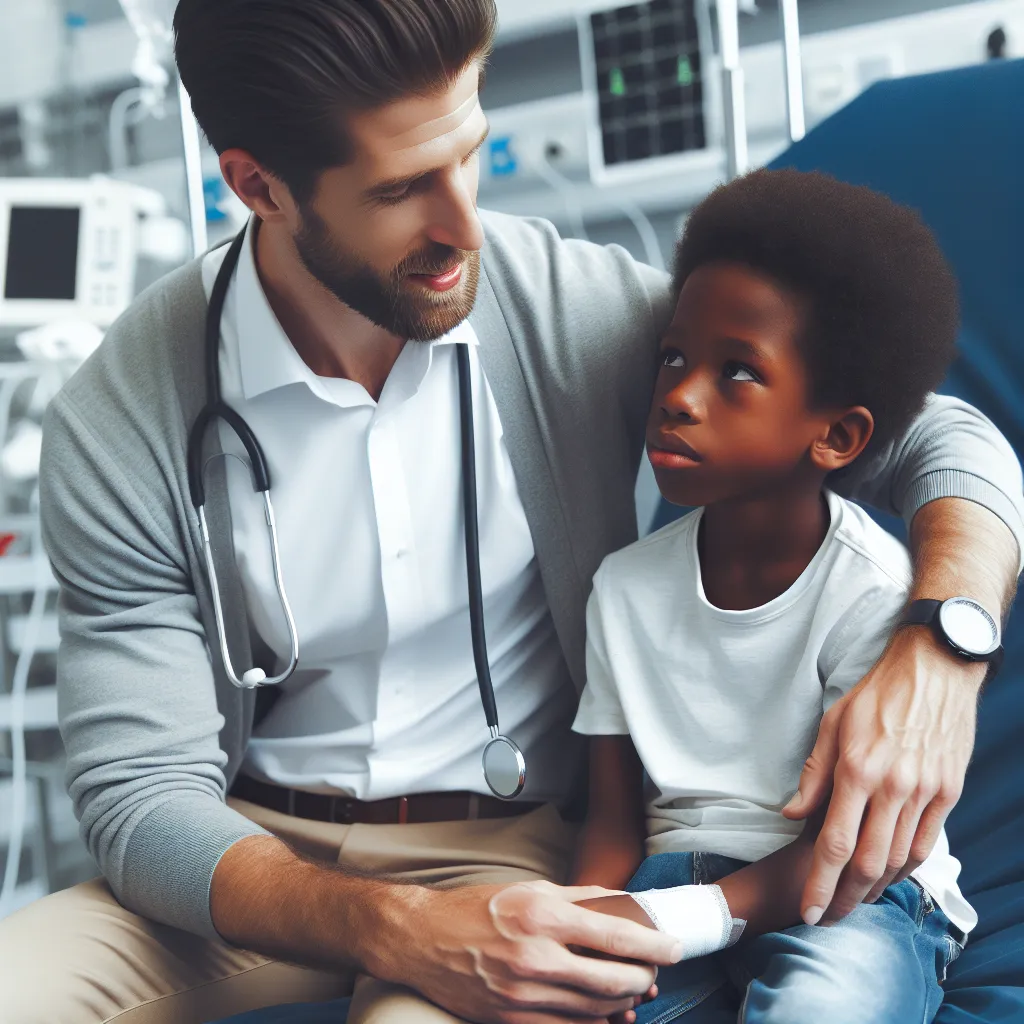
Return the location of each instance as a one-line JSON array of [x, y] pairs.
[[673, 357], [739, 372]]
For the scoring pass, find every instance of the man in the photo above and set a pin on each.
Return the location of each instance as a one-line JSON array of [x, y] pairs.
[[360, 837]]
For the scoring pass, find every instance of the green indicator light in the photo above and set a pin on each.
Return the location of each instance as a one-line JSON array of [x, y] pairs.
[[617, 82], [684, 72]]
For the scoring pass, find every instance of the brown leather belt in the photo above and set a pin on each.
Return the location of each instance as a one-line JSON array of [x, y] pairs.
[[418, 808]]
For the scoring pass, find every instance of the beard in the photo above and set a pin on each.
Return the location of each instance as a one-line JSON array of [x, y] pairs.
[[390, 301]]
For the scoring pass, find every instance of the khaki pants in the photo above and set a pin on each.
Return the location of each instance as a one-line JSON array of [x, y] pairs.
[[78, 957]]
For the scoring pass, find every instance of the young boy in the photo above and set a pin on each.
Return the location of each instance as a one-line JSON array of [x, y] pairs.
[[813, 318]]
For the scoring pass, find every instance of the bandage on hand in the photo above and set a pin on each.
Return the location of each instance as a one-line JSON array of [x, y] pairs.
[[697, 915]]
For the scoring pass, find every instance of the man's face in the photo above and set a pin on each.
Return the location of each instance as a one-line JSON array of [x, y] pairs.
[[394, 232], [729, 416]]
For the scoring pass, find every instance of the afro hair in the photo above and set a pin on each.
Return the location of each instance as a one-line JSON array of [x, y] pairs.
[[882, 312]]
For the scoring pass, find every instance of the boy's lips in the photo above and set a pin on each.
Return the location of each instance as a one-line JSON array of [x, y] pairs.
[[672, 453]]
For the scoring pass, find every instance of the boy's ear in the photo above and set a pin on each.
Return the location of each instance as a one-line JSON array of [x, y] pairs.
[[847, 437]]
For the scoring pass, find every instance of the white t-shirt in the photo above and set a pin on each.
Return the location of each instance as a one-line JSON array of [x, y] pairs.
[[723, 706]]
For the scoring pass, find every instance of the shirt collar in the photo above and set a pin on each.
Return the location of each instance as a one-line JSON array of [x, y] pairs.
[[267, 359]]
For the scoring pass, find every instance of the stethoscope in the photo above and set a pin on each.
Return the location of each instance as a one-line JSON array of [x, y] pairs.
[[503, 763]]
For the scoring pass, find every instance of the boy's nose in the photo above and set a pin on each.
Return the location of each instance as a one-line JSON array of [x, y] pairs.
[[683, 402]]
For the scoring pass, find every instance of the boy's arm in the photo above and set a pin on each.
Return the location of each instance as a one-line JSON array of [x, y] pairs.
[[765, 894], [611, 844]]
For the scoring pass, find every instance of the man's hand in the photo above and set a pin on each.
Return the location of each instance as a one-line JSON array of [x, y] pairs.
[[899, 744], [499, 955], [900, 741]]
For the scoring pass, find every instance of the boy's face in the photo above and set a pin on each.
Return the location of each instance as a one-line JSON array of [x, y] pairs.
[[729, 416]]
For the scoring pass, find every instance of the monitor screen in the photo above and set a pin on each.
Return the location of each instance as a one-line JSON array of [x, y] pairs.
[[42, 252], [648, 66]]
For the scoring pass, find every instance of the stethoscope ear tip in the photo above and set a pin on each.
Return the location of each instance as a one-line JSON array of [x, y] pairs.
[[254, 677]]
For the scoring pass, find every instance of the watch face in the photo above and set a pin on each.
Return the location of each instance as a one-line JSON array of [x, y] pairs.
[[968, 626]]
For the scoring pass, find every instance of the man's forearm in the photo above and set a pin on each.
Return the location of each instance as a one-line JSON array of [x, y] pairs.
[[267, 898], [960, 548]]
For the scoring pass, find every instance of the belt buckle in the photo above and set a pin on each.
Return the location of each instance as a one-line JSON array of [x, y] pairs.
[[346, 817]]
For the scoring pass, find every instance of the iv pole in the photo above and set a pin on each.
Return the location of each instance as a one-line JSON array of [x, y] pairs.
[[790, 20], [736, 156], [193, 172]]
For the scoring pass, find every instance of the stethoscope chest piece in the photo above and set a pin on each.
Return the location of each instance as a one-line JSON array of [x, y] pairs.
[[504, 768]]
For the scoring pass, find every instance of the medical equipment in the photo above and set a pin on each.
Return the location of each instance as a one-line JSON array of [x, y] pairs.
[[504, 766], [649, 77], [67, 250], [661, 99]]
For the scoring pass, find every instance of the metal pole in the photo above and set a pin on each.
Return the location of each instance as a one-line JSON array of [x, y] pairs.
[[193, 172], [737, 158], [794, 72]]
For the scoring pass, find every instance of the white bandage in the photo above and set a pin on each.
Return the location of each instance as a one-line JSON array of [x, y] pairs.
[[697, 915]]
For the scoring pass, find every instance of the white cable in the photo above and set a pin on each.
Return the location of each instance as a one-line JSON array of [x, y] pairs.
[[117, 125], [566, 190], [645, 229], [19, 685]]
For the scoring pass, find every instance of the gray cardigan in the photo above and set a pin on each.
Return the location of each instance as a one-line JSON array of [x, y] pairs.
[[154, 731]]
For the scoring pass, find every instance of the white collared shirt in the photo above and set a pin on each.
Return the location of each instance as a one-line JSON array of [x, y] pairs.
[[368, 501]]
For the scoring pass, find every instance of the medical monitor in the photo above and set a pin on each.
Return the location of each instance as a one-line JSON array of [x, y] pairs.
[[653, 91], [67, 250]]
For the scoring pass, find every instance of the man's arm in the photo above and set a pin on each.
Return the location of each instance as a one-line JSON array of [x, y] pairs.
[[485, 953], [899, 742], [142, 728]]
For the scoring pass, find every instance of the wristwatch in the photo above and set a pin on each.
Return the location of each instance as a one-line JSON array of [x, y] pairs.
[[965, 626]]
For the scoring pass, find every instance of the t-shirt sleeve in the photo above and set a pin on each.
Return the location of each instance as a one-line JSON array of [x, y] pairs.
[[600, 711], [859, 638]]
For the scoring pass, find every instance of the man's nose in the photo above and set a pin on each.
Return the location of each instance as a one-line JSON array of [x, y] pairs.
[[455, 220]]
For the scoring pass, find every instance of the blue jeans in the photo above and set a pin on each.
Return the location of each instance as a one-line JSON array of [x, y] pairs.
[[882, 964]]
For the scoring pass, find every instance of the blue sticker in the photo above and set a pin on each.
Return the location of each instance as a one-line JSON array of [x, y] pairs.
[[213, 195], [503, 160]]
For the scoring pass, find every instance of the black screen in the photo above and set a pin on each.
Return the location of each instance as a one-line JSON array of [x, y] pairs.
[[42, 252], [649, 85]]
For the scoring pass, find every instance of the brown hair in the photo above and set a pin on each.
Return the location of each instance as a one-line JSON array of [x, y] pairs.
[[276, 77]]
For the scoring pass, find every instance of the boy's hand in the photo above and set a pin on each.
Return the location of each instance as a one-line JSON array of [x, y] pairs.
[[619, 905], [627, 907]]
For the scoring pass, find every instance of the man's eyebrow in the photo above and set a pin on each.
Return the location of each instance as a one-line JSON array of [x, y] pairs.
[[394, 184]]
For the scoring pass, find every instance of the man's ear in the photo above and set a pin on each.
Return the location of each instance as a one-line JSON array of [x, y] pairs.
[[266, 195], [847, 436]]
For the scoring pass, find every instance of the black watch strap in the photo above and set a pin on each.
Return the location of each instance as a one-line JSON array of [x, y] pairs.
[[925, 612], [922, 612]]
